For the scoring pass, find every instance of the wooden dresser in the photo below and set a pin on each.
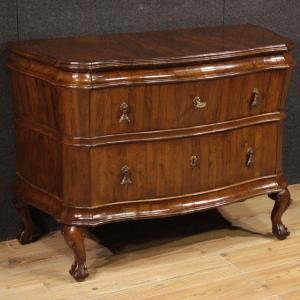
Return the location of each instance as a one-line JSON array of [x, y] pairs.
[[148, 125]]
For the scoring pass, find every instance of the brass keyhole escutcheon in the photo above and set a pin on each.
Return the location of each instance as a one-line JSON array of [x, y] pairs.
[[198, 103], [194, 161]]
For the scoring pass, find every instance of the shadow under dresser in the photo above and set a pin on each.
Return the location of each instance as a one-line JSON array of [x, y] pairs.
[[146, 125]]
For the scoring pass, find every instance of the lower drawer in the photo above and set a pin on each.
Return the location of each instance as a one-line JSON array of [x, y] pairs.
[[174, 167]]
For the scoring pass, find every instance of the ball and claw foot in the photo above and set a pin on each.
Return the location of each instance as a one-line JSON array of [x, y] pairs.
[[29, 233], [79, 271], [27, 236], [74, 237], [282, 201], [280, 231]]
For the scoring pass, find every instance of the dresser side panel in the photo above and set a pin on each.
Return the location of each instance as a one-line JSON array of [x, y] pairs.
[[43, 103], [36, 101], [39, 160], [76, 176], [285, 88]]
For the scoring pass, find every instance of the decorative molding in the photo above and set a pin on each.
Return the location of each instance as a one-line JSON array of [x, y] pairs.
[[95, 66], [166, 134], [50, 74], [140, 209], [87, 80], [189, 73]]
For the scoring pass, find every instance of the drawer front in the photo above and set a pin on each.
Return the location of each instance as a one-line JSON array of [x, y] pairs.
[[175, 167], [179, 105]]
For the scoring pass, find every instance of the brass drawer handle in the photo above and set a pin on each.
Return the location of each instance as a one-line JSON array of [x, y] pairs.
[[198, 103], [194, 161], [126, 175], [250, 157], [254, 101], [124, 107]]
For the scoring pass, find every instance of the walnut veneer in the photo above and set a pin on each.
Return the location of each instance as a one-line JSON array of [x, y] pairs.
[[148, 125]]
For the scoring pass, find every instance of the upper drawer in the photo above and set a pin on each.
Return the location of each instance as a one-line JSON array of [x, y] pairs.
[[185, 104]]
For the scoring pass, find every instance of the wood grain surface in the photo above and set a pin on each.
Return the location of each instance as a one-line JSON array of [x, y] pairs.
[[153, 48], [137, 126]]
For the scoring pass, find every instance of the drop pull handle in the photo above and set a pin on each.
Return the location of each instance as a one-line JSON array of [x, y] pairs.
[[124, 107], [126, 175], [250, 157], [254, 101]]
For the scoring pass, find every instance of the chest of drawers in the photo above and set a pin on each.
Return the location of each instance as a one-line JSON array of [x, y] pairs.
[[148, 125]]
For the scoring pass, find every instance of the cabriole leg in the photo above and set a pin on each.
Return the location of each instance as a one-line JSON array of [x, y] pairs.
[[29, 233], [74, 237], [282, 202]]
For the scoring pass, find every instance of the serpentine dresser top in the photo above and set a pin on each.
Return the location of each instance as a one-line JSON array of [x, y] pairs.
[[147, 125]]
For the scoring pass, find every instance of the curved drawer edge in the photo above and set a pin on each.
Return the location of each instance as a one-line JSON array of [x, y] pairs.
[[154, 135], [106, 79], [144, 209]]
